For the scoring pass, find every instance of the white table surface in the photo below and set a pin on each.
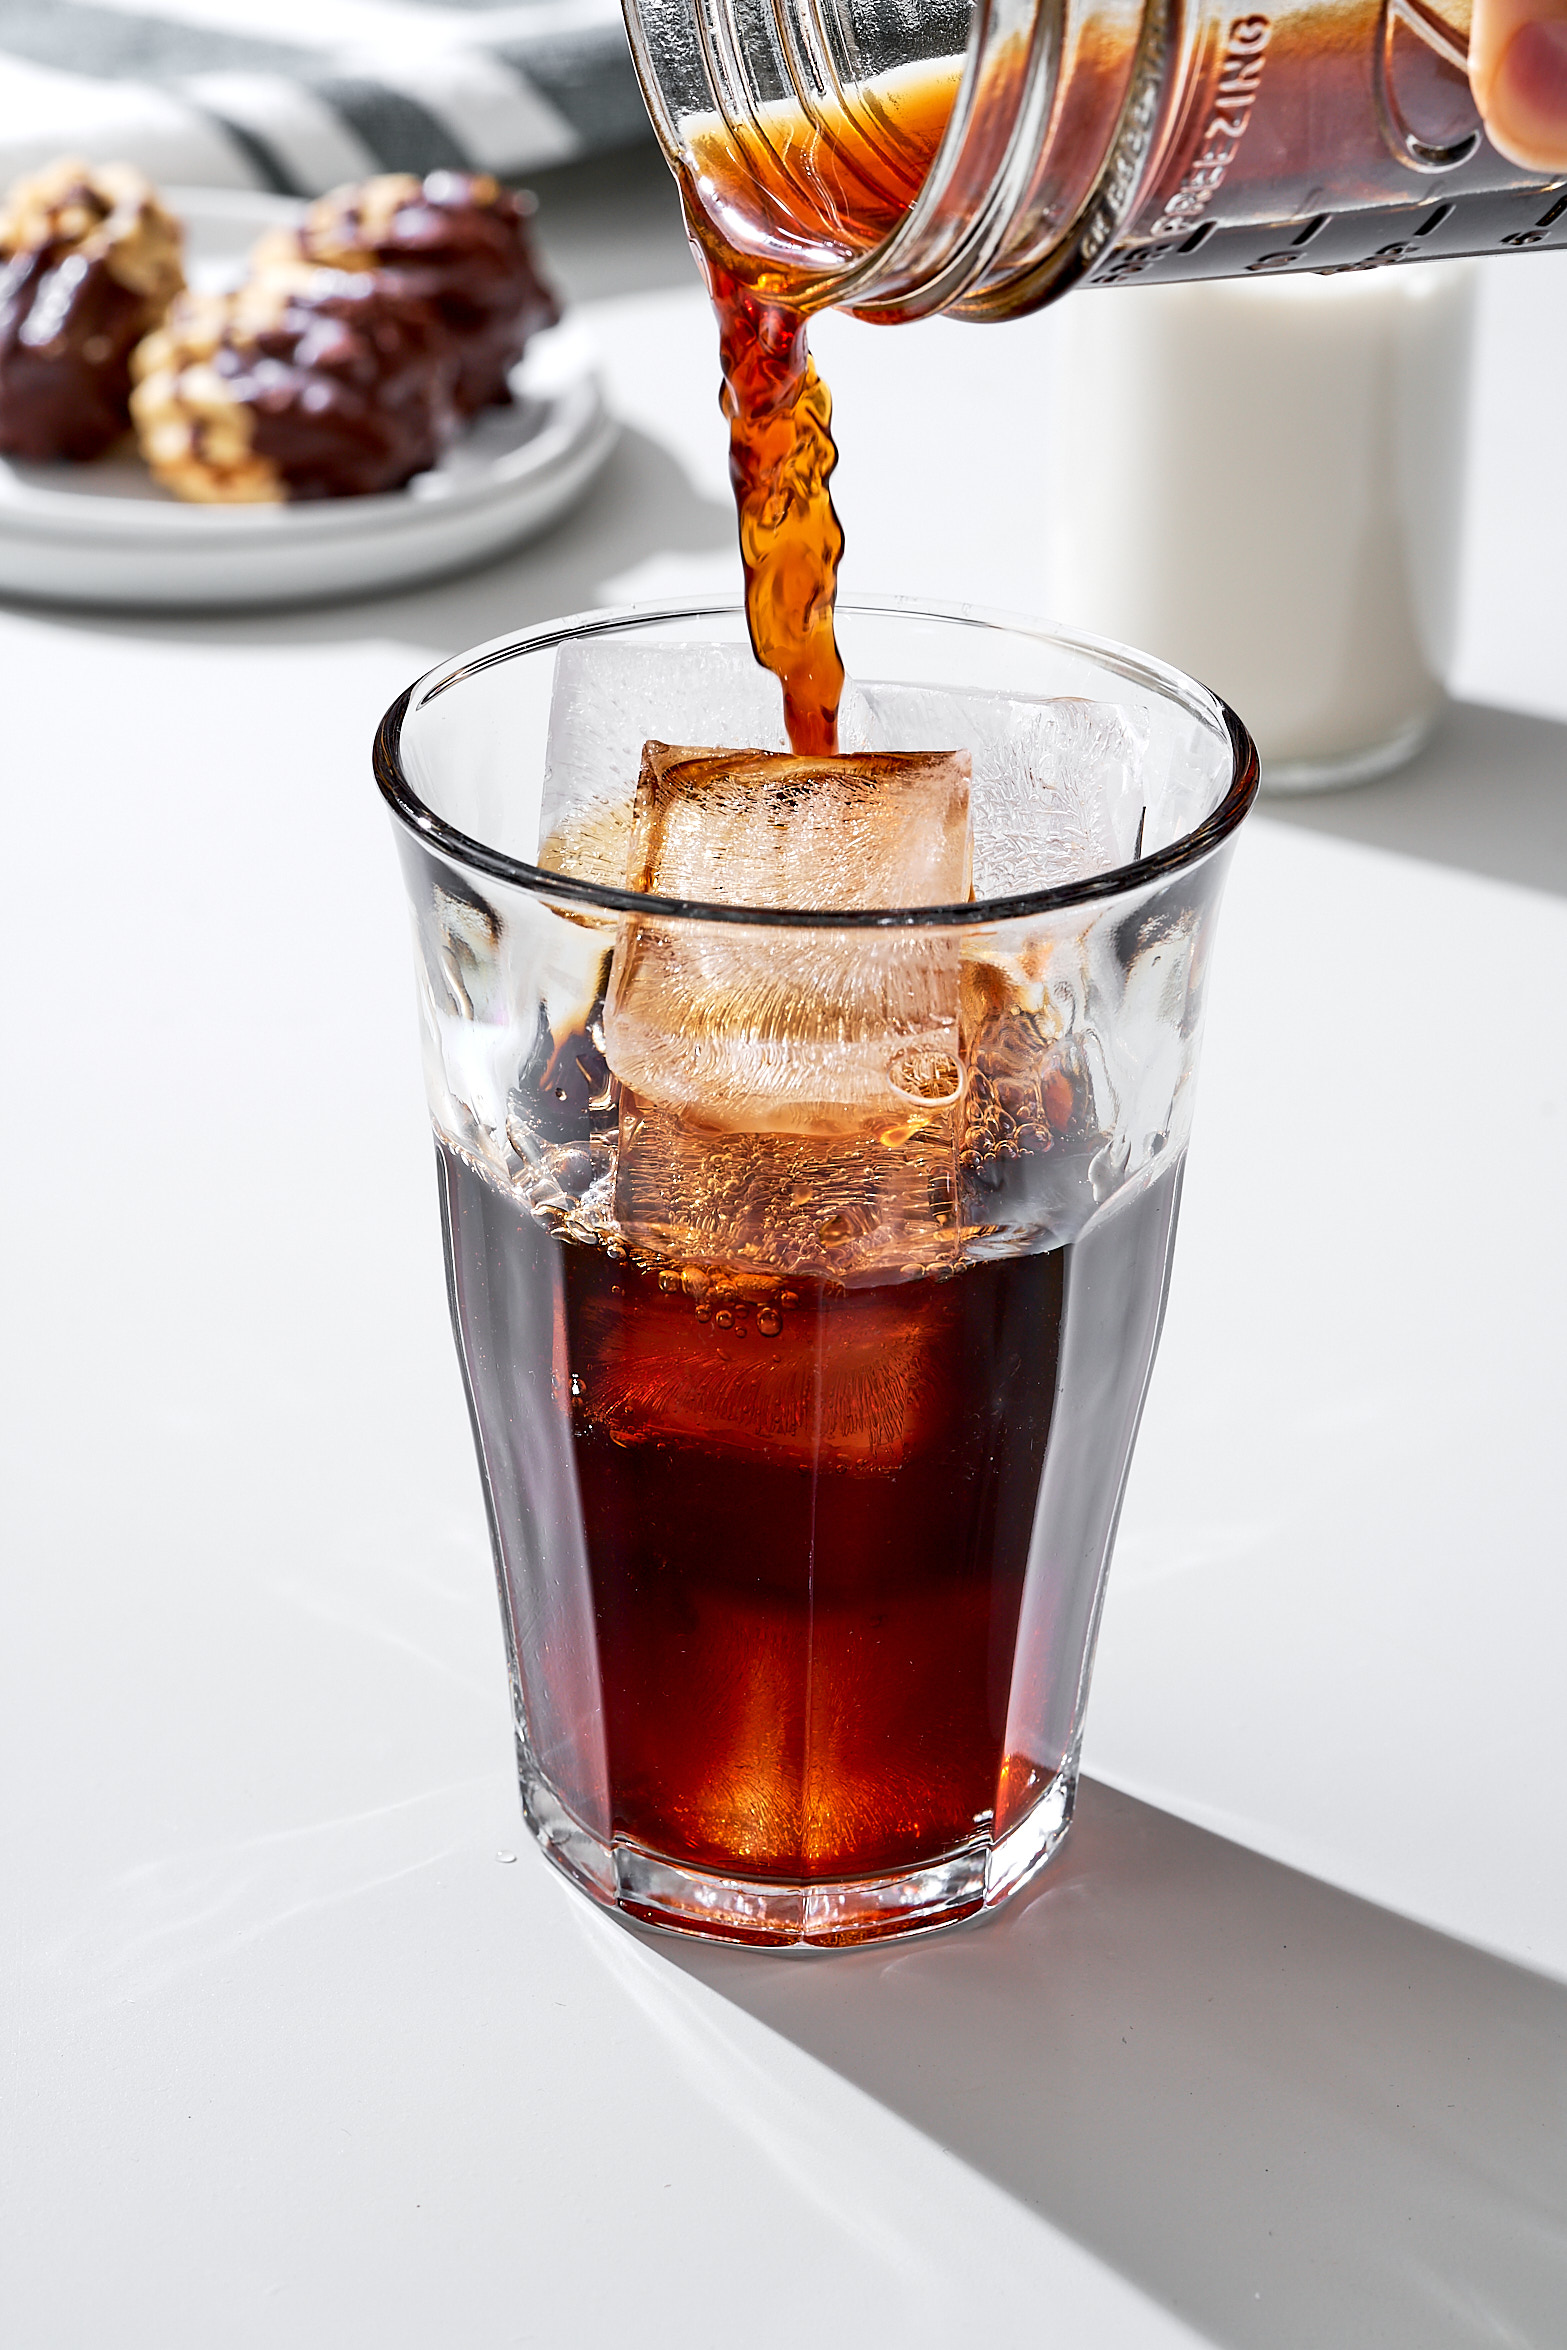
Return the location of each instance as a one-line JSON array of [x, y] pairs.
[[304, 2045]]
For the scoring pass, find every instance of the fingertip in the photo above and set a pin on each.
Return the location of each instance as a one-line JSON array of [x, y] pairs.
[[1527, 114]]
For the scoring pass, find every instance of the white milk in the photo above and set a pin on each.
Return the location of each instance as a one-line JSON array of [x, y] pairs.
[[1261, 480]]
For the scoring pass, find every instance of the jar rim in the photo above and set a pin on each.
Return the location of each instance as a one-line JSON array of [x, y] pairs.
[[969, 241], [461, 849]]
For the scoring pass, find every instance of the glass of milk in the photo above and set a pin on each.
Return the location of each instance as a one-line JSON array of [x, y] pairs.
[[1283, 513]]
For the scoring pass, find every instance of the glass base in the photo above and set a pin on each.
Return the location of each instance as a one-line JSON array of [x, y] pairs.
[[1338, 772], [823, 1916]]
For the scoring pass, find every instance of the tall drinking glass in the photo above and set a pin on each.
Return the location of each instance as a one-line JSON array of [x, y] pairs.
[[807, 1263]]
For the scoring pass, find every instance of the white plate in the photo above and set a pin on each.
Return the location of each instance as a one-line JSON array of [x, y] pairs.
[[106, 534]]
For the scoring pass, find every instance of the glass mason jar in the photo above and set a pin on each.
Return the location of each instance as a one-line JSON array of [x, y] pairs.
[[900, 157], [807, 1260]]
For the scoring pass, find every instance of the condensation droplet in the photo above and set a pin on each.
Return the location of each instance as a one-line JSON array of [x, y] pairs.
[[577, 1387], [560, 1093]]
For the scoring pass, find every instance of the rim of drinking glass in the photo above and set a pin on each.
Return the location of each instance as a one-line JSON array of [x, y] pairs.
[[1138, 668]]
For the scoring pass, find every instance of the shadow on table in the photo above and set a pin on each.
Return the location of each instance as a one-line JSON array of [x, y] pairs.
[[1287, 2115], [642, 507], [1488, 793]]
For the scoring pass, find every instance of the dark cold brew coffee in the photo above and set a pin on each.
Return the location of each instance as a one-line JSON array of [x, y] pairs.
[[797, 1519]]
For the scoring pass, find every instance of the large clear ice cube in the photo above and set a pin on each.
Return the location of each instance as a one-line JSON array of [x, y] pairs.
[[747, 1029], [789, 1095], [843, 834], [1057, 784]]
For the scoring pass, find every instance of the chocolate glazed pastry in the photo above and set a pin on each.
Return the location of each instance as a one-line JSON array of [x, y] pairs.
[[460, 241], [91, 261], [306, 383]]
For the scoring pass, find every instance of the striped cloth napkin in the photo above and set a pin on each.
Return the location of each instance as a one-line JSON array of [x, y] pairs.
[[300, 95]]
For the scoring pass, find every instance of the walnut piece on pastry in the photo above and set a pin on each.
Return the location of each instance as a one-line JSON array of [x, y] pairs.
[[305, 383], [456, 239], [89, 262]]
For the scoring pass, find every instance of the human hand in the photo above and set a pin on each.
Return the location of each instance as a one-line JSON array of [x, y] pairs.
[[1518, 72]]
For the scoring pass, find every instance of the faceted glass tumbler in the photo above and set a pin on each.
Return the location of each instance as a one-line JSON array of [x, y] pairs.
[[807, 1267]]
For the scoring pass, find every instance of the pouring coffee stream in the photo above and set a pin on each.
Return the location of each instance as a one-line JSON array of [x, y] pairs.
[[898, 162]]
